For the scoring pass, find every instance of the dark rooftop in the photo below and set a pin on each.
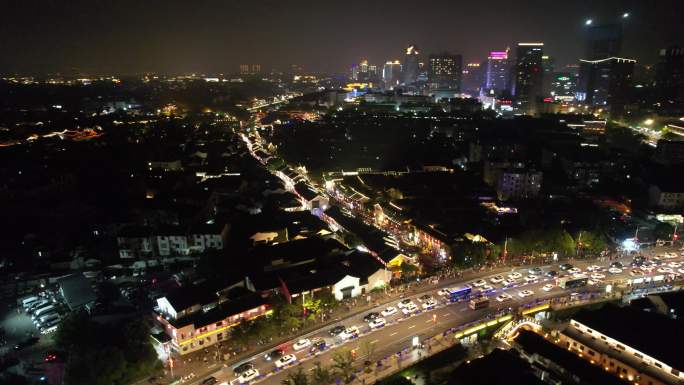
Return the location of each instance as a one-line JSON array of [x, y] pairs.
[[500, 367], [220, 312], [76, 290], [621, 323]]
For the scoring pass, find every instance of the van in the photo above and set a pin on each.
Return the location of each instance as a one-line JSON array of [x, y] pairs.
[[36, 305], [28, 301], [46, 317], [42, 311]]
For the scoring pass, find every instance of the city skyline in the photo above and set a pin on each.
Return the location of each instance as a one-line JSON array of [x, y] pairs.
[[217, 37]]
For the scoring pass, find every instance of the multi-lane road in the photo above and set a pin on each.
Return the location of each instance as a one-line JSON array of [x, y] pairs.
[[400, 329]]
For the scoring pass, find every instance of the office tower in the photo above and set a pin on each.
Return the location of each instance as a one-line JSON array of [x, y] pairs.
[[529, 76], [244, 69], [391, 74], [563, 86], [472, 78], [250, 69], [497, 72], [355, 72], [411, 66], [372, 73], [603, 41], [606, 83], [669, 80], [548, 65], [444, 71]]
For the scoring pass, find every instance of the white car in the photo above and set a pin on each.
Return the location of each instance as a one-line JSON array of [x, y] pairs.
[[594, 268], [349, 333], [377, 323], [486, 289], [390, 310], [409, 309], [428, 305], [575, 270], [665, 269], [248, 376], [548, 287], [443, 292], [670, 255], [509, 282], [647, 269], [301, 344], [525, 293], [674, 264], [504, 297], [531, 278], [515, 276], [615, 270], [404, 303], [479, 282], [598, 276], [285, 360], [496, 279]]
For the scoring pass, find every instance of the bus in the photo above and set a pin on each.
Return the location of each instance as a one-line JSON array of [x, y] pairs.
[[478, 303], [572, 282], [459, 293]]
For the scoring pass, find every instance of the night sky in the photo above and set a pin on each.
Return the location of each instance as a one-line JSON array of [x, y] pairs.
[[127, 37]]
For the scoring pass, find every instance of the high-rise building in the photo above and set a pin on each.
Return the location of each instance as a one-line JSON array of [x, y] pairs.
[[250, 69], [529, 76], [497, 72], [473, 78], [606, 83], [549, 65], [445, 71], [391, 73], [563, 86], [411, 68], [670, 75], [603, 41]]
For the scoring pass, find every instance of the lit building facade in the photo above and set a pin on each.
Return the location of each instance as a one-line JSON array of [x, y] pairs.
[[605, 83], [529, 76], [391, 74], [497, 74], [445, 71], [411, 68]]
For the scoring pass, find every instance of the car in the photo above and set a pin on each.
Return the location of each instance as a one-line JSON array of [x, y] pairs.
[[535, 271], [479, 283], [285, 360], [349, 333], [594, 268], [443, 292], [318, 345], [26, 343], [51, 357], [548, 287], [593, 282], [504, 297], [390, 310], [496, 279], [509, 282], [665, 270], [616, 264], [429, 305], [486, 289], [615, 270], [551, 273], [680, 270], [371, 316], [525, 293], [636, 273], [409, 309], [531, 278], [377, 323], [301, 344], [598, 276], [648, 269], [674, 264], [514, 276], [242, 368], [404, 302], [565, 266], [336, 331], [274, 354], [670, 255], [574, 270], [209, 381], [248, 376], [424, 298]]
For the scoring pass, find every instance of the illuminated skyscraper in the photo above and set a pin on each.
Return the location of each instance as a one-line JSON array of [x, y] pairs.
[[445, 71], [391, 74], [497, 72], [670, 75], [529, 76], [606, 83], [411, 65]]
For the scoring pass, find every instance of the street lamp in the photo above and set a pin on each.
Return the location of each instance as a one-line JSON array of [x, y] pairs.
[[588, 22], [625, 15]]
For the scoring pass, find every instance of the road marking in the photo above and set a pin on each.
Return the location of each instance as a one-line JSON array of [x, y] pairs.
[[395, 333], [446, 315], [375, 341], [412, 326]]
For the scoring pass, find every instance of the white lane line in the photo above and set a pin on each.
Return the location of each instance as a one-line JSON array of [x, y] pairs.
[[412, 326], [375, 341], [395, 333]]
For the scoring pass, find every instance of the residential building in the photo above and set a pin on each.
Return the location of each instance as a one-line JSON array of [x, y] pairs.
[[666, 195], [669, 80], [605, 83], [140, 242], [669, 152], [517, 183]]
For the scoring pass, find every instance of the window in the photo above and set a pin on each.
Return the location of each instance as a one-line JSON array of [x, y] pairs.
[[219, 337], [200, 342], [591, 353], [675, 372], [658, 365], [620, 347], [637, 355], [603, 338]]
